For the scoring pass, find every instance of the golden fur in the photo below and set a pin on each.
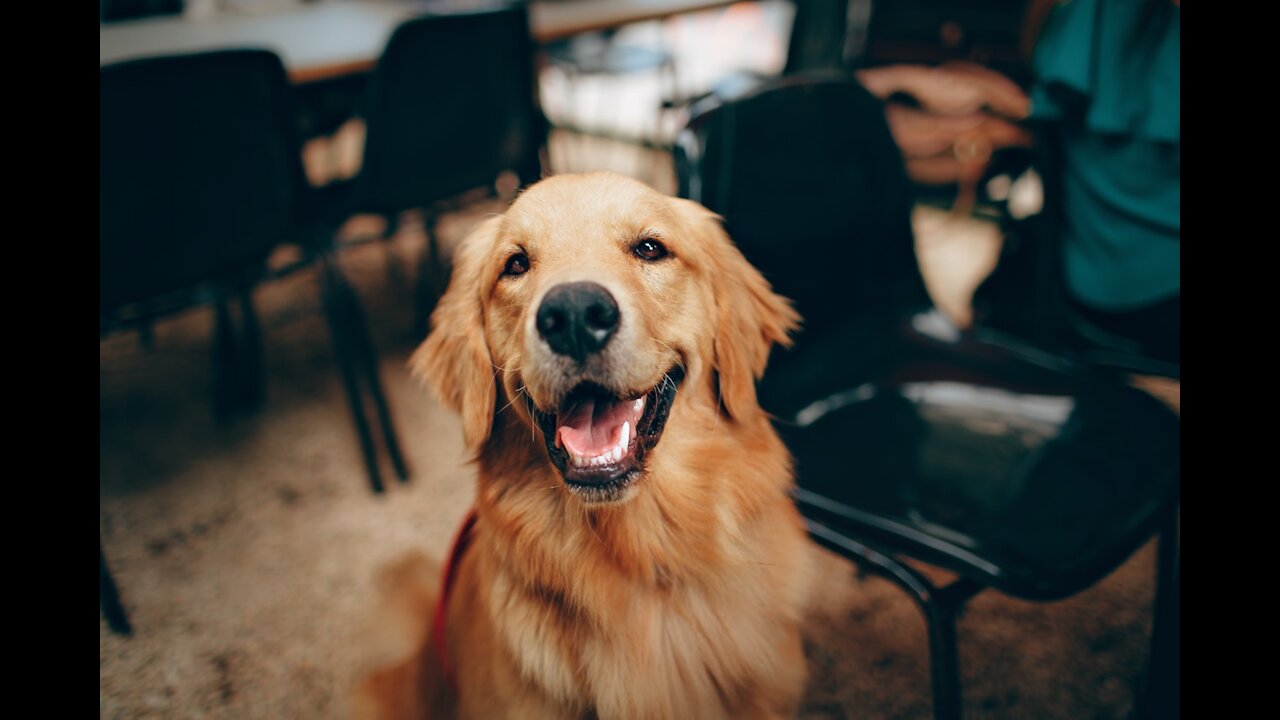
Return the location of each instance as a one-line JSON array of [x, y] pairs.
[[684, 598]]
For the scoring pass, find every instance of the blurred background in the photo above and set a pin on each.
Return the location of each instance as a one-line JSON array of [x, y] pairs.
[[975, 205]]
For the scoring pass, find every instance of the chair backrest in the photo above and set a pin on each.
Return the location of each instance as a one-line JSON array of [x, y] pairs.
[[452, 103], [819, 33], [199, 170], [813, 190]]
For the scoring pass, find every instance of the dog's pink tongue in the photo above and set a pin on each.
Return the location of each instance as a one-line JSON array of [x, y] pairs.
[[592, 426]]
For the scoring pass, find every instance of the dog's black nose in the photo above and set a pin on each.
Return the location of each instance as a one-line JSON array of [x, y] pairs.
[[577, 319]]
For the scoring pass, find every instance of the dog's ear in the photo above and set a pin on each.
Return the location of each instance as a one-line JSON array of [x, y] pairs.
[[454, 361], [750, 317]]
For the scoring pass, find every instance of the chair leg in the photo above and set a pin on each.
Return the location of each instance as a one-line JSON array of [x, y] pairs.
[[252, 385], [226, 379], [367, 358], [396, 274], [384, 419], [940, 611], [431, 278], [1159, 696], [940, 607], [109, 597], [337, 313]]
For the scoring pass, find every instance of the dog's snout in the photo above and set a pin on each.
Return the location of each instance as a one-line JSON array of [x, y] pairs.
[[577, 319]]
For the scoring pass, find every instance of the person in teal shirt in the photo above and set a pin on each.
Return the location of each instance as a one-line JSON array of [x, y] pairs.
[[1107, 81]]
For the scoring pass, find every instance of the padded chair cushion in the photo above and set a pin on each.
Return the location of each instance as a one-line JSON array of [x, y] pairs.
[[972, 457]]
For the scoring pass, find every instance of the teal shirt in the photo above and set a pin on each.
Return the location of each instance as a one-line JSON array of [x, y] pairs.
[[1108, 75]]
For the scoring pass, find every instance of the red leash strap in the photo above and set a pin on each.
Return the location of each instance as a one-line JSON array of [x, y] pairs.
[[460, 543]]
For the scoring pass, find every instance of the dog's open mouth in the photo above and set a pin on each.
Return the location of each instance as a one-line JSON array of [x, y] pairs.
[[598, 439]]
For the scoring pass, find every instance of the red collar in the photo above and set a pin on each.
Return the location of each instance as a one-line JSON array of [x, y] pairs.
[[460, 543]]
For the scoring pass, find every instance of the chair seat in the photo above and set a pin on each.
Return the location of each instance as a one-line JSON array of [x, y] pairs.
[[1032, 477]]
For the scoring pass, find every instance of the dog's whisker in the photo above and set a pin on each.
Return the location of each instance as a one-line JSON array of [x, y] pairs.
[[535, 415], [504, 368], [673, 352], [667, 379], [519, 392]]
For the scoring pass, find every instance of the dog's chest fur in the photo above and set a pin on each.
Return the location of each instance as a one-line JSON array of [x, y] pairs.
[[685, 601], [643, 650], [612, 622]]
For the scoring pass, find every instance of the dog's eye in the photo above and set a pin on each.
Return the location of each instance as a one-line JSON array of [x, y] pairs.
[[650, 249], [517, 264]]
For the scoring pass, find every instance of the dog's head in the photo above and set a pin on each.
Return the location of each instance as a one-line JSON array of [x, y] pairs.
[[593, 310]]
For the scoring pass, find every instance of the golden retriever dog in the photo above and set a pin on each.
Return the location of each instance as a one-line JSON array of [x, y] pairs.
[[634, 552]]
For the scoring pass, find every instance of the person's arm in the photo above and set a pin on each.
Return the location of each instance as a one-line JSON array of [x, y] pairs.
[[955, 88]]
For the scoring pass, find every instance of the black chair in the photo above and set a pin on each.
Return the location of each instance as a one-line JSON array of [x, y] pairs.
[[1016, 469], [452, 104], [200, 180]]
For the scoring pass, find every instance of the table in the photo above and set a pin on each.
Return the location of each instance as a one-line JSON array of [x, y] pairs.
[[552, 19], [326, 40]]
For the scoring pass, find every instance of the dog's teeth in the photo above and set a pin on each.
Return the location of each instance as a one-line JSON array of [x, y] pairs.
[[613, 454], [639, 404]]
